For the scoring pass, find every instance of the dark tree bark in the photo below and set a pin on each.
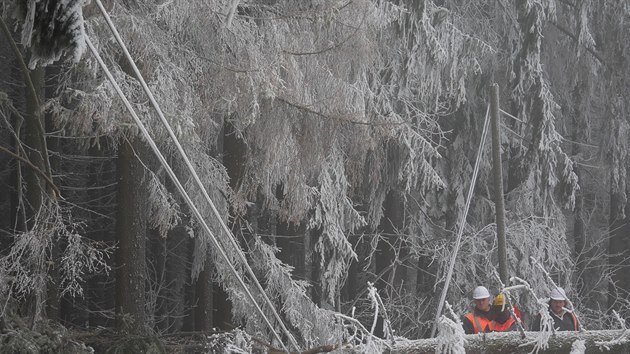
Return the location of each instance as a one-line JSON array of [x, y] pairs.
[[37, 153], [390, 245], [102, 172], [618, 248], [131, 222], [36, 150], [204, 313], [53, 305], [8, 171], [579, 224], [176, 278]]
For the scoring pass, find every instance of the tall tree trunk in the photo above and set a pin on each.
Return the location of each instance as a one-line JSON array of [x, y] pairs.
[[411, 264], [54, 145], [35, 184], [390, 245], [8, 204], [309, 265], [171, 300], [102, 172], [579, 226], [131, 236], [36, 150], [618, 247], [579, 231], [204, 317]]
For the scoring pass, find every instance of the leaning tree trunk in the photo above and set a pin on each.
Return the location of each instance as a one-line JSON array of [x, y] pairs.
[[131, 221], [511, 342]]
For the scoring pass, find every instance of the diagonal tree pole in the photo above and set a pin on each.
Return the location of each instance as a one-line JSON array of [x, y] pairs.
[[497, 170]]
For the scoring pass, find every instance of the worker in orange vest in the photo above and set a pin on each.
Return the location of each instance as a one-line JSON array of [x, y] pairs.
[[502, 315], [479, 320]]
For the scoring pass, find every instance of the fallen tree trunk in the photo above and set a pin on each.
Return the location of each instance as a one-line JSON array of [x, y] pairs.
[[607, 341]]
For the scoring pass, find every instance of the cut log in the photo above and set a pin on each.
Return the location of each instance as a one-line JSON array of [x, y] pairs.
[[607, 341]]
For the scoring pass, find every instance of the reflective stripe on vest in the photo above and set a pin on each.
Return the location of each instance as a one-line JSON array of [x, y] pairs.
[[480, 322]]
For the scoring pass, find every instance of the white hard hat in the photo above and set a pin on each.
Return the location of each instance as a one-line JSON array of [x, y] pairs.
[[558, 294], [481, 292]]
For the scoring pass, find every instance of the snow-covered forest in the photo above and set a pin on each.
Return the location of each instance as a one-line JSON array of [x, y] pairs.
[[284, 175]]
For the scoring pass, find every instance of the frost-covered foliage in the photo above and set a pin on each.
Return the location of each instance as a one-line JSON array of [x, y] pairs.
[[51, 28], [25, 269], [80, 258], [314, 325], [335, 216], [546, 327], [451, 337], [578, 347], [545, 166], [334, 105], [315, 112], [237, 342], [54, 339], [542, 243], [164, 211]]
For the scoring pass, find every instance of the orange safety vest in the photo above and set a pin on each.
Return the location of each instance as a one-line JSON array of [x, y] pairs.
[[505, 326], [478, 322], [575, 323]]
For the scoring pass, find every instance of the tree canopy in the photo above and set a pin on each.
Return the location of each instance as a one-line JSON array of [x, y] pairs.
[[336, 140]]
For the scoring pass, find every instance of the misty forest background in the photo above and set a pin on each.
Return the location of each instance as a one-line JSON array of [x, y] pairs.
[[337, 139]]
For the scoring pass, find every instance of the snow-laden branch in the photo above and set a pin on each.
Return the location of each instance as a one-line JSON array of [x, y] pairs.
[[451, 336], [541, 341]]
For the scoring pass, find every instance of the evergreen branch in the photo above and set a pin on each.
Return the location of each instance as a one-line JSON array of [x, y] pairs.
[[25, 70], [334, 46], [588, 48], [234, 70], [33, 93], [35, 168], [337, 118]]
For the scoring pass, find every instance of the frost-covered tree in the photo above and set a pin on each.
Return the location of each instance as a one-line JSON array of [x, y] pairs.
[[45, 255], [346, 130]]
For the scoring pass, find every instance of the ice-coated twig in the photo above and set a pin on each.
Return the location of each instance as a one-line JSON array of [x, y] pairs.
[[387, 325], [361, 328], [375, 306], [450, 310], [623, 337], [622, 322], [451, 338], [546, 322]]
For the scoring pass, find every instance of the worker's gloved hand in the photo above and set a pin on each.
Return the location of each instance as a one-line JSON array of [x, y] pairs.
[[499, 309]]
